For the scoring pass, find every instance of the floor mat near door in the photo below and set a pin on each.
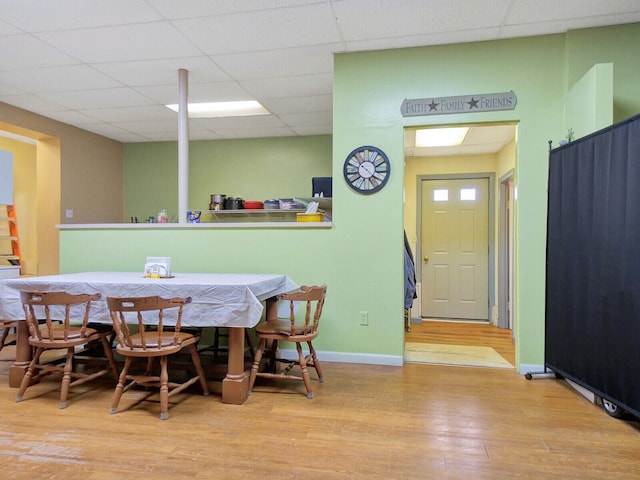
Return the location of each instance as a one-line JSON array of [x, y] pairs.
[[460, 355]]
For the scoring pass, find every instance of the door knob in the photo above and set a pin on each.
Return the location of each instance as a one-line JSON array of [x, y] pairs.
[[426, 259]]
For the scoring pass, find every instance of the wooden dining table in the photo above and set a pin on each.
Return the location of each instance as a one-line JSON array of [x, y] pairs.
[[234, 300]]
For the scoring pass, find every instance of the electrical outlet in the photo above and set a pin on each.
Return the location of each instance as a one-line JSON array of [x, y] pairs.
[[69, 213], [364, 318]]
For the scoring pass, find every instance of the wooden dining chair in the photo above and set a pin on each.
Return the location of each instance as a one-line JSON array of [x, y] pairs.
[[58, 320], [293, 330], [6, 326], [150, 344]]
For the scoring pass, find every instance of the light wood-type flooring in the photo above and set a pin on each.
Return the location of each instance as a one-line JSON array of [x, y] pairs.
[[464, 333], [366, 422]]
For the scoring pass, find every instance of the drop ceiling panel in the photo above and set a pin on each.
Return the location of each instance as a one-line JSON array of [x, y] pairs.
[[315, 103], [131, 114], [279, 63], [199, 8], [144, 41], [416, 17], [163, 71], [103, 98], [86, 59], [526, 11], [32, 103], [262, 30], [58, 79], [46, 16], [26, 52], [298, 86]]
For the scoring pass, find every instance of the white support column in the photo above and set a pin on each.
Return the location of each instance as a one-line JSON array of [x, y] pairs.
[[183, 145]]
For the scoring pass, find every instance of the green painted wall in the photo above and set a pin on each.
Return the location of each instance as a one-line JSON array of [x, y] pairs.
[[253, 169], [361, 256]]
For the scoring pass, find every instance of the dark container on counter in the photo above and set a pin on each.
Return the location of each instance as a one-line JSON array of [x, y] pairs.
[[234, 203]]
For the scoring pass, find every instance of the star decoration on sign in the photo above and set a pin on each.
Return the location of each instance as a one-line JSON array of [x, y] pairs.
[[433, 106], [473, 103]]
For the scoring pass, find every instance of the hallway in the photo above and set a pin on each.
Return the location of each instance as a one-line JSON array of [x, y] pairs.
[[463, 333]]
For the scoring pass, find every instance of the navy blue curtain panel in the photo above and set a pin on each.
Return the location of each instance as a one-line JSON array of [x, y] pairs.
[[592, 310]]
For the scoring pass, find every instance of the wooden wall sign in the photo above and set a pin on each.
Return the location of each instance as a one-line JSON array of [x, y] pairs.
[[484, 102]]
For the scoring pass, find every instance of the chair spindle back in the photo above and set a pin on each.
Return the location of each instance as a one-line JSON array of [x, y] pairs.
[[50, 304]]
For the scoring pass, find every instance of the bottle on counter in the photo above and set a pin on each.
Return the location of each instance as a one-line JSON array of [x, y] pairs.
[[163, 217]]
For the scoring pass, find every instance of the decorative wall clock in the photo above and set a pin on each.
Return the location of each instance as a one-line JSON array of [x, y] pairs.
[[367, 169]]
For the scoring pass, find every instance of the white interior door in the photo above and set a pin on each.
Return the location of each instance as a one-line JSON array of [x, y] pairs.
[[455, 248]]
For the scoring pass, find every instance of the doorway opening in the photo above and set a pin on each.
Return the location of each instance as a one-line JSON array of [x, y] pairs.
[[459, 214]]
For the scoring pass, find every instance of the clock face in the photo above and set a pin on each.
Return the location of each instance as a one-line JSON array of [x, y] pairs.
[[366, 169]]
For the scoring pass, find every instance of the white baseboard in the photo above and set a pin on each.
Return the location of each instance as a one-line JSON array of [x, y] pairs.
[[348, 357]]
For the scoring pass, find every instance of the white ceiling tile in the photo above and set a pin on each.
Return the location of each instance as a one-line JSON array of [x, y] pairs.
[[203, 135], [24, 51], [8, 90], [102, 98], [127, 137], [32, 103], [145, 41], [132, 114], [58, 79], [119, 59], [249, 122], [314, 130], [415, 17], [7, 29], [309, 85], [68, 14], [150, 126], [279, 63], [198, 92], [316, 103], [101, 128], [263, 30], [525, 11], [437, 38], [163, 71], [200, 8], [307, 119], [72, 117]]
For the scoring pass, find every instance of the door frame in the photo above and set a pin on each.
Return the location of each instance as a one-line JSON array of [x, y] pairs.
[[490, 176], [506, 238]]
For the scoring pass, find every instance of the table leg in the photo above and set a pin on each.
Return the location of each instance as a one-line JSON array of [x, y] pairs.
[[23, 355], [271, 308], [235, 386]]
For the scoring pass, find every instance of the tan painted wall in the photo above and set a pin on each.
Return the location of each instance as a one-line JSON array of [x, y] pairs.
[[75, 170], [24, 197]]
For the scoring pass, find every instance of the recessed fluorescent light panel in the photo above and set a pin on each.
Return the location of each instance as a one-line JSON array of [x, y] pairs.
[[441, 137], [224, 109]]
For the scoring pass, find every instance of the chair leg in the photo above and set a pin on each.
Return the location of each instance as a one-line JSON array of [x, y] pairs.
[[149, 369], [305, 371], [216, 343], [5, 334], [316, 363], [164, 389], [272, 367], [28, 375], [247, 337], [195, 358], [120, 387], [66, 378], [109, 353], [256, 363]]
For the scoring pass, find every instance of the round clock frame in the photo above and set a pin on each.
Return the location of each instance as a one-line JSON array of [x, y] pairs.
[[366, 169]]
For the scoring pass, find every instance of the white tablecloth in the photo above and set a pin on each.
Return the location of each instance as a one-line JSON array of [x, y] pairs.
[[218, 299]]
